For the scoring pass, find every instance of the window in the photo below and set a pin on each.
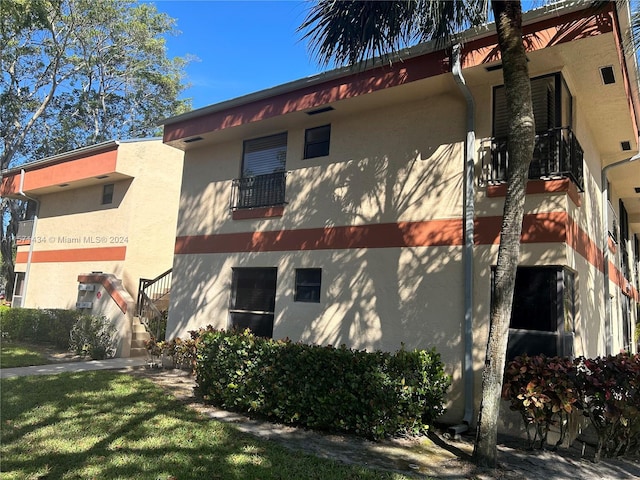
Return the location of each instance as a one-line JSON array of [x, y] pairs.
[[624, 241], [551, 105], [263, 173], [18, 290], [263, 156], [253, 300], [543, 312], [30, 211], [107, 194], [557, 152], [316, 141], [308, 281]]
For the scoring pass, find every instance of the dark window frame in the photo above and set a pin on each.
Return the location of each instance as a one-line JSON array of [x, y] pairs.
[[248, 149], [262, 181], [561, 94], [108, 190], [314, 148], [256, 309], [308, 290], [555, 333]]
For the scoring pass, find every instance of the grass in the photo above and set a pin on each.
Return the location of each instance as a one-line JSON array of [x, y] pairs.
[[18, 355], [116, 426]]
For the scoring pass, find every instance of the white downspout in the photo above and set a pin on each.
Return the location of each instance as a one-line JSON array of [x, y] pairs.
[[468, 215], [31, 241], [608, 333]]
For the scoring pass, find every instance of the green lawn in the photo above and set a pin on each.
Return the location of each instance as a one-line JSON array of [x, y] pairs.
[[110, 425], [17, 355]]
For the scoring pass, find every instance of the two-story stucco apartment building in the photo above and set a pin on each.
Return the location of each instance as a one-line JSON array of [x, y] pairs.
[[332, 209], [99, 219]]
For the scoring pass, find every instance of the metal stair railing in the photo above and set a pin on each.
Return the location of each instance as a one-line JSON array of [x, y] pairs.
[[152, 294]]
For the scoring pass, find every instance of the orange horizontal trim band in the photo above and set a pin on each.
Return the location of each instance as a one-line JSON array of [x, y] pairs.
[[549, 227], [404, 234], [536, 228], [99, 254], [618, 278], [580, 241], [265, 212], [541, 186], [542, 227]]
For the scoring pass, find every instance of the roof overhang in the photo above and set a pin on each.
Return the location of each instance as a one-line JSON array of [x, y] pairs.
[[83, 167], [544, 27], [571, 37]]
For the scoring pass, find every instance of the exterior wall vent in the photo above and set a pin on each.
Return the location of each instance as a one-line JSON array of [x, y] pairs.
[[626, 145], [193, 139], [320, 110]]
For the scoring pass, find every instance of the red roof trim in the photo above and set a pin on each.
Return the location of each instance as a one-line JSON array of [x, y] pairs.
[[545, 33]]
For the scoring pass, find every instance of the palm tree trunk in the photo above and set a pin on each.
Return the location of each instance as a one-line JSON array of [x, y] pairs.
[[521, 139]]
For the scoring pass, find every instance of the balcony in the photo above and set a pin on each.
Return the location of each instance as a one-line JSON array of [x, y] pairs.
[[557, 154], [258, 191]]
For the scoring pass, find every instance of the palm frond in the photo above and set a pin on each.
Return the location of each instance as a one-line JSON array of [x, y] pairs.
[[351, 31]]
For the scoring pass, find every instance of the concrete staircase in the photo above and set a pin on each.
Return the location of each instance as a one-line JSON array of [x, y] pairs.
[[139, 335]]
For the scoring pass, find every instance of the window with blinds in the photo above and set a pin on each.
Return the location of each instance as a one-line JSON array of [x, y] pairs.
[[551, 105], [266, 155]]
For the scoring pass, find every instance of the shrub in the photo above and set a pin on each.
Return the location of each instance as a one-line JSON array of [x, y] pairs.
[[51, 326], [540, 389], [339, 389], [93, 336], [183, 352], [606, 390], [609, 394]]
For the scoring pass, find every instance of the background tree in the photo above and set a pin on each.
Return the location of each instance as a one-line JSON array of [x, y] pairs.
[[349, 32], [75, 73]]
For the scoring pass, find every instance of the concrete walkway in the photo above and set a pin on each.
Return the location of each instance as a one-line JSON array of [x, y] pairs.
[[85, 366]]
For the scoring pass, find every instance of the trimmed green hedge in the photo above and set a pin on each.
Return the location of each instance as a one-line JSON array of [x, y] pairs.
[[50, 326], [374, 394]]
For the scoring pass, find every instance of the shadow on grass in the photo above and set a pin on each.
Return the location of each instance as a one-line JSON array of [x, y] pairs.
[[110, 425], [13, 354]]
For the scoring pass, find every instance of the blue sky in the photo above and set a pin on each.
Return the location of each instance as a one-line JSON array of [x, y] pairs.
[[242, 46]]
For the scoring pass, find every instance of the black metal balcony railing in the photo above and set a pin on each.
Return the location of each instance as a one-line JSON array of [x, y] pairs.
[[557, 153], [258, 191]]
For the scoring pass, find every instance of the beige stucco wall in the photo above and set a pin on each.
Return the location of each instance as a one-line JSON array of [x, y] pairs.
[[103, 305], [391, 166], [396, 163], [370, 298], [141, 218]]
